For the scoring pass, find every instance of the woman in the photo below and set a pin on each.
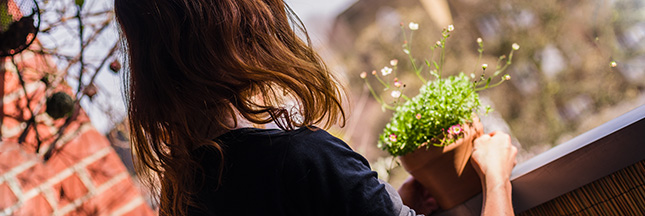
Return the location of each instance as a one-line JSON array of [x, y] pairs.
[[203, 73]]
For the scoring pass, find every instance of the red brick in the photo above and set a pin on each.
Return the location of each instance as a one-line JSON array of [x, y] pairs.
[[64, 87], [83, 146], [11, 156], [142, 209], [6, 146], [105, 168], [71, 127], [34, 176], [18, 108], [69, 190], [83, 117], [11, 81], [12, 129], [10, 122], [110, 200], [58, 123], [35, 206], [85, 209], [30, 142], [41, 172], [69, 154], [45, 131], [7, 198], [30, 74], [34, 68]]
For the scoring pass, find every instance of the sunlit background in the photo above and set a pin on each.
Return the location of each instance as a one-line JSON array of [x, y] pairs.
[[563, 81]]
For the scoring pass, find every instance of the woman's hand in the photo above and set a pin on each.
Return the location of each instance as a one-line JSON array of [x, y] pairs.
[[494, 158], [415, 196]]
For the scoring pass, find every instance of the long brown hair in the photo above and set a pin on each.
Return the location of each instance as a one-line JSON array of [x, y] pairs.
[[192, 61]]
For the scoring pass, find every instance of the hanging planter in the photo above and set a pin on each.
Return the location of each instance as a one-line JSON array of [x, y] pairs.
[[19, 23]]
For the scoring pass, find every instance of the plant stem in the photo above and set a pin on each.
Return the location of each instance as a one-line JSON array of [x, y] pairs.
[[508, 62], [382, 82], [490, 86], [408, 47], [378, 98], [443, 57], [481, 51], [417, 71]]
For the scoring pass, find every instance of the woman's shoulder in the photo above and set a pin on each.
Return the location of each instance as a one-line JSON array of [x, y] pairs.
[[315, 147], [305, 137], [313, 141], [304, 143]]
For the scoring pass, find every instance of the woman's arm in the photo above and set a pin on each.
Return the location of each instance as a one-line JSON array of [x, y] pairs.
[[494, 158]]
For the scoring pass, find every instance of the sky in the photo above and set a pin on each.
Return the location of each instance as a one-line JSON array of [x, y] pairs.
[[318, 16]]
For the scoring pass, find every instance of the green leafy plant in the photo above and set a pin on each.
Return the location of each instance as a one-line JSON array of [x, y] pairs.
[[434, 117], [5, 17]]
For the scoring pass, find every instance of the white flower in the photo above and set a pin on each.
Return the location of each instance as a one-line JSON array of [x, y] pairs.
[[451, 28], [406, 51], [363, 75], [507, 77], [613, 64], [479, 40], [413, 26], [438, 43], [516, 46], [394, 62], [386, 71], [484, 66], [396, 94]]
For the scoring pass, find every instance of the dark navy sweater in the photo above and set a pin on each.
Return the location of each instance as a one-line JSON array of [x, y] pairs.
[[299, 172]]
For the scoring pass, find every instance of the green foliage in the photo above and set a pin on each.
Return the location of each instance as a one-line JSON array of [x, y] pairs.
[[439, 105], [5, 18], [79, 3], [434, 116]]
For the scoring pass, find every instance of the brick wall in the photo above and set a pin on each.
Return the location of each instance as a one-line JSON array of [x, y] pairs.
[[84, 177]]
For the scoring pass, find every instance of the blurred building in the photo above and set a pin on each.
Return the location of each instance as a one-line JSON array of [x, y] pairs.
[[84, 175], [119, 137]]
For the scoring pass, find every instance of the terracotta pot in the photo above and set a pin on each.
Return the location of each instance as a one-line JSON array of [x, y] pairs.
[[446, 171]]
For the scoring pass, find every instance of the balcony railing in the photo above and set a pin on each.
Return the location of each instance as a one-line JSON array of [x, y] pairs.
[[585, 159]]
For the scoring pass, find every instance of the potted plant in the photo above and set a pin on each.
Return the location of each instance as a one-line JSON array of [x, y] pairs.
[[433, 132]]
